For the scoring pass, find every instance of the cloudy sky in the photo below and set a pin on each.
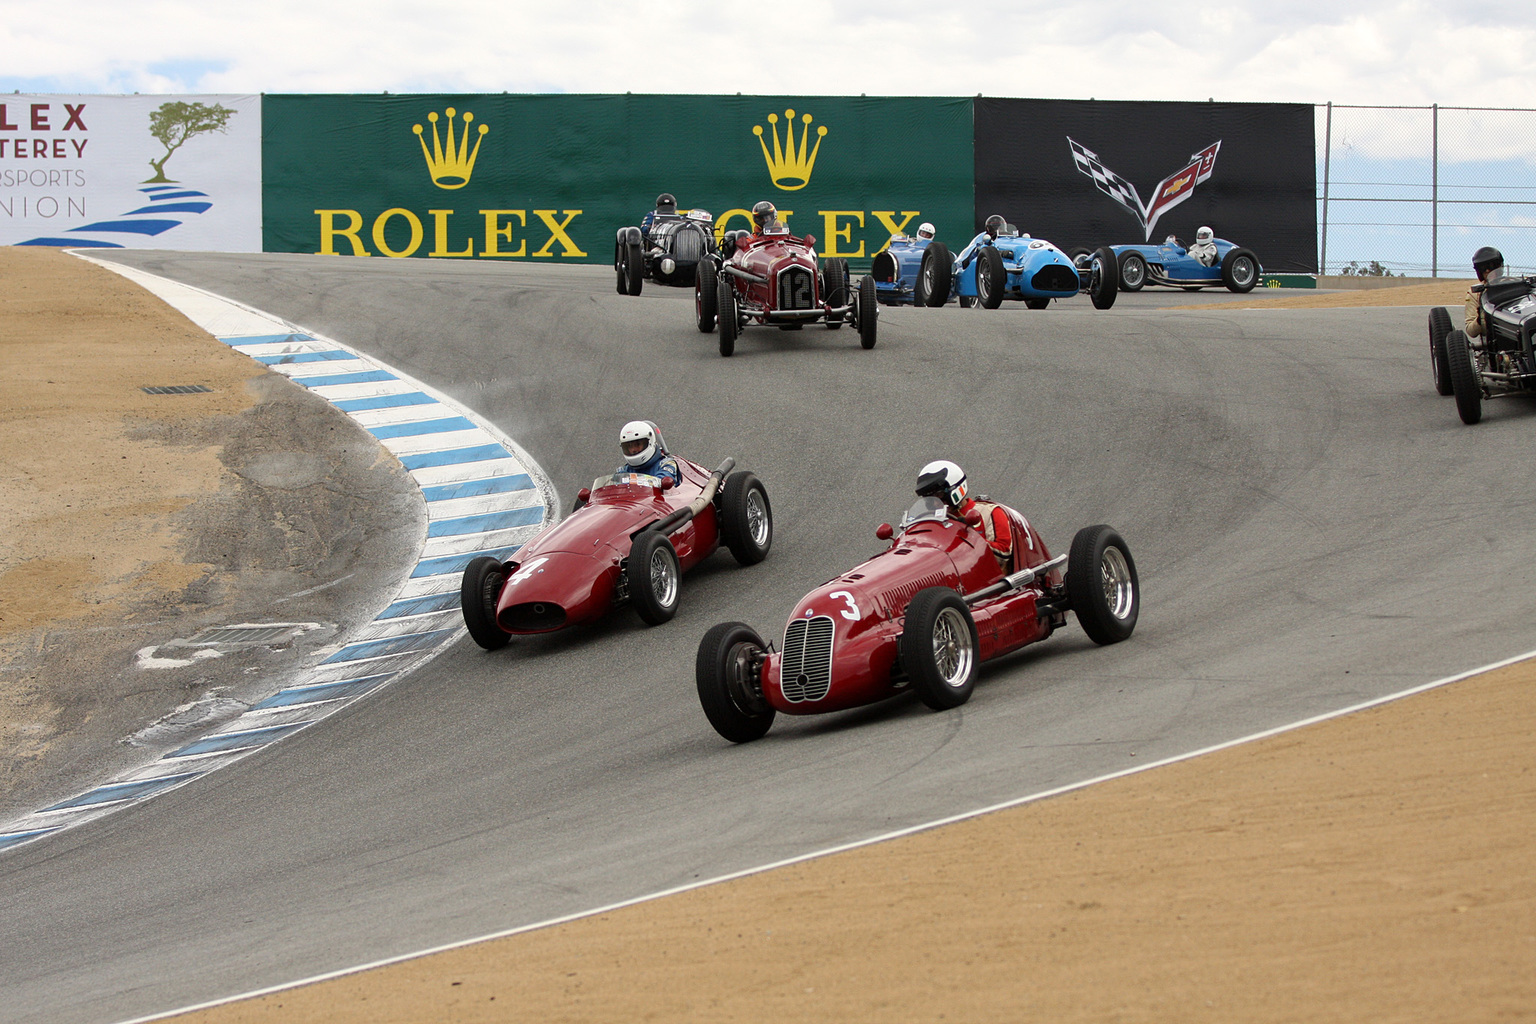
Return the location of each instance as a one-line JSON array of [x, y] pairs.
[[1362, 51]]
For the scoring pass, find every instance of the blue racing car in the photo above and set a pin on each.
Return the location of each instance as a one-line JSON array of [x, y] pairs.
[[1174, 265], [999, 263]]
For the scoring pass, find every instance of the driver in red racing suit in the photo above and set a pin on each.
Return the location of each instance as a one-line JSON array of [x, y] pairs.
[[944, 479]]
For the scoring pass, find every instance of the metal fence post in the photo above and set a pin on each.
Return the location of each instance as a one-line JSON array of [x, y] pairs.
[[1434, 190], [1322, 260]]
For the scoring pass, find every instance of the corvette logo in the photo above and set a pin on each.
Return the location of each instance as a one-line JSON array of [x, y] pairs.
[[1170, 192]]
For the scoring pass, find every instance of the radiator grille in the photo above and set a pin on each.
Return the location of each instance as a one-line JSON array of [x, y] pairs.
[[1057, 278], [805, 672], [796, 290], [687, 246]]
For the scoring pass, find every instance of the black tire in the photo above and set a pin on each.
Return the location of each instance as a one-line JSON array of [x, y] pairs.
[[990, 278], [1439, 362], [1104, 282], [732, 700], [1133, 272], [746, 518], [1102, 585], [1073, 254], [935, 275], [478, 591], [725, 315], [634, 269], [1464, 380], [618, 268], [834, 288], [1240, 270], [706, 297], [967, 301], [1041, 303], [655, 577], [868, 312], [939, 648]]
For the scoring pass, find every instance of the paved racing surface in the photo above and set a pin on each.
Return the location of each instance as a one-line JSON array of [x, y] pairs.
[[1312, 525]]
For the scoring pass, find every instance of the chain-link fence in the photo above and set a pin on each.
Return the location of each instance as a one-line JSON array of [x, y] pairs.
[[1413, 191]]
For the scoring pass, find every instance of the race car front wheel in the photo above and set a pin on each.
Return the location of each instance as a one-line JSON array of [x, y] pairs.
[[938, 648], [1240, 270], [478, 592], [1439, 362], [1464, 380], [727, 673], [834, 287], [634, 269], [1133, 272], [654, 577], [705, 296], [990, 278], [1104, 281], [746, 518], [935, 275], [868, 312], [725, 312], [1102, 585]]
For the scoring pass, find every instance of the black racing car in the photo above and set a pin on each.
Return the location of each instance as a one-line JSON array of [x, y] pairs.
[[1500, 363], [666, 247]]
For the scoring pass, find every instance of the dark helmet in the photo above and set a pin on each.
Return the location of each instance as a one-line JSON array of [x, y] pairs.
[[1485, 259], [764, 214], [996, 225], [666, 203]]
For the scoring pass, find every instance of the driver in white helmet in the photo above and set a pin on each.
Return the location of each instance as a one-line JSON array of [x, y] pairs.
[[640, 442], [925, 231], [945, 480], [1204, 248]]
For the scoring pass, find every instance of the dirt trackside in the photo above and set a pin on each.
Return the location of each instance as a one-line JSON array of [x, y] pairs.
[[128, 520], [1441, 293]]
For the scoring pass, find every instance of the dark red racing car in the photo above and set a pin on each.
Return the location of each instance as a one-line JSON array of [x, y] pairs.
[[629, 541], [772, 279], [921, 615]]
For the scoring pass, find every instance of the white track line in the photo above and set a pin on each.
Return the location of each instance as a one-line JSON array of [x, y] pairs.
[[829, 851]]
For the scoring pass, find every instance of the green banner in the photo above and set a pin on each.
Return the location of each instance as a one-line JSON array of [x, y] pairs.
[[554, 177]]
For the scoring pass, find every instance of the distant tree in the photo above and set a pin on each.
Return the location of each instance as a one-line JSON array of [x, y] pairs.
[[174, 123], [1372, 269]]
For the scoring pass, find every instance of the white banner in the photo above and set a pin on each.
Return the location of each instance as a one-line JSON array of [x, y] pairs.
[[141, 172]]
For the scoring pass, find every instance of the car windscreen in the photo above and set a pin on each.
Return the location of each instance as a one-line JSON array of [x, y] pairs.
[[624, 480], [924, 508]]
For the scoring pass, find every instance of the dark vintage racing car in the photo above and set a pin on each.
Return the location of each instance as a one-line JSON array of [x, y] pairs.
[[667, 249], [1171, 266], [999, 263], [1500, 363], [773, 279], [919, 616], [629, 541]]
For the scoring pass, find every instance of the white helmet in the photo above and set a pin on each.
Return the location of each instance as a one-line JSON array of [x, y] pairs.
[[638, 441], [1204, 235], [925, 230], [943, 479]]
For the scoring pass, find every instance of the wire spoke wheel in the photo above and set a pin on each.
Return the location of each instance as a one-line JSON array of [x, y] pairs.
[[952, 650], [1119, 587]]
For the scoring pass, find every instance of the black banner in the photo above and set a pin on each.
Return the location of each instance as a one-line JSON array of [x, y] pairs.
[[1091, 173]]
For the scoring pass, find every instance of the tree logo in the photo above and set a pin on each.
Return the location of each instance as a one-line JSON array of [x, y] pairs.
[[176, 122]]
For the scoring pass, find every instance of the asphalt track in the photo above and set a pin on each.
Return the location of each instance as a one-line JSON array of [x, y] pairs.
[[1312, 524]]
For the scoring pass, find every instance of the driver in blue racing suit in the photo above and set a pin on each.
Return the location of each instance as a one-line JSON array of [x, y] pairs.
[[640, 442]]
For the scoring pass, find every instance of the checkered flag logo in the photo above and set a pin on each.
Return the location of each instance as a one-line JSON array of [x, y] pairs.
[[1170, 192]]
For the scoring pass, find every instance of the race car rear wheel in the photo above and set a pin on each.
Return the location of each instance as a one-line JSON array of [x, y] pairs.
[[1104, 280], [1240, 270], [654, 577], [634, 269], [935, 275], [618, 267], [939, 648], [725, 313], [868, 312], [705, 296], [834, 287], [1439, 362], [478, 591], [1133, 272], [746, 518], [726, 673], [1102, 585], [990, 278], [1464, 379]]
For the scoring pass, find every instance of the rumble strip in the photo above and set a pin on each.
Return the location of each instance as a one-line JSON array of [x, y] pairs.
[[484, 495]]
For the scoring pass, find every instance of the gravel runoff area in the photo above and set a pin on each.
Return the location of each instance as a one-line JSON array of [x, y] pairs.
[[1372, 867]]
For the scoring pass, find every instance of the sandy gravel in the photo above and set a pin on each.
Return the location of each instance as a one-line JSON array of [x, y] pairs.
[[1377, 867], [1441, 293]]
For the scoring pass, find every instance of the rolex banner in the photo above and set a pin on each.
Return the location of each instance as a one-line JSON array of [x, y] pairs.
[[554, 177], [1092, 173], [165, 172]]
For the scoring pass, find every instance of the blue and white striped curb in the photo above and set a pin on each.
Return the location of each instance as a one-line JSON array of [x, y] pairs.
[[484, 496], [168, 206]]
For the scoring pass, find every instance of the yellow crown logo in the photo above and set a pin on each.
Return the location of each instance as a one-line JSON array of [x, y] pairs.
[[790, 170], [452, 165]]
